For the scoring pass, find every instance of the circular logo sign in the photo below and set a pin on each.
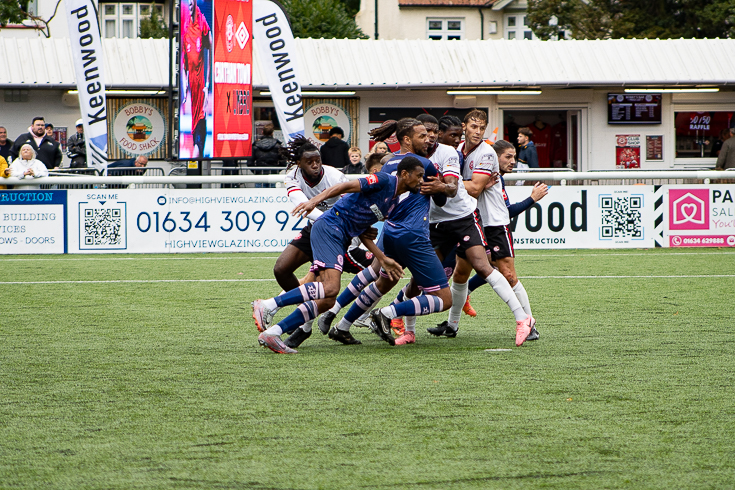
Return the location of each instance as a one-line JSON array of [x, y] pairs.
[[321, 118], [139, 128], [230, 33]]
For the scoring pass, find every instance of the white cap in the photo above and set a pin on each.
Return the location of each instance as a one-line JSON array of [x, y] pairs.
[[79, 122]]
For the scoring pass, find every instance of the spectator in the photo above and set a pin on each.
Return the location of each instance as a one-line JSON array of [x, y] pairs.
[[717, 145], [726, 159], [5, 144], [26, 166], [380, 148], [76, 148], [4, 171], [47, 149], [335, 151], [355, 166], [267, 153], [527, 154], [128, 166], [50, 130]]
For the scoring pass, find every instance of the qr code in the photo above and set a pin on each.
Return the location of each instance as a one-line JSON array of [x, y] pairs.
[[621, 216], [103, 226]]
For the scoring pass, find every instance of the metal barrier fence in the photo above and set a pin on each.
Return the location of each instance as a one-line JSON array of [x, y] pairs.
[[178, 179]]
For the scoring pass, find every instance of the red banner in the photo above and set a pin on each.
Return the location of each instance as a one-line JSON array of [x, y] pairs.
[[233, 56]]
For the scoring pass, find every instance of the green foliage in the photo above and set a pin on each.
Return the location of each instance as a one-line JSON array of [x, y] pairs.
[[321, 19], [604, 19], [153, 26], [141, 376], [13, 12]]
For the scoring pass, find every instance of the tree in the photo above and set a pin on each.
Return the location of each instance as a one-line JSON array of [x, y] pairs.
[[321, 18], [16, 12], [153, 26], [603, 19]]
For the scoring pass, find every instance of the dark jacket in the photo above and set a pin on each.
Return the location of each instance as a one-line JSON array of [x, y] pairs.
[[5, 149], [354, 169], [335, 153], [266, 152], [528, 155], [76, 146], [49, 153]]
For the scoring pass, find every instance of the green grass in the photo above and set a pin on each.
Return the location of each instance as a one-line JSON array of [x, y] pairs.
[[142, 384]]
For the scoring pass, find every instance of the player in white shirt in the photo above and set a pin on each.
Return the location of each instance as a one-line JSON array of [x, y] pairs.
[[479, 172]]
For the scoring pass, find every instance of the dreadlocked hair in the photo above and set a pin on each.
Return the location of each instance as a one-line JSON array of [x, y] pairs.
[[402, 127], [446, 122], [295, 149]]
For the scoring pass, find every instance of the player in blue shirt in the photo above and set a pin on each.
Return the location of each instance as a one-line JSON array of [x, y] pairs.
[[367, 201], [405, 238]]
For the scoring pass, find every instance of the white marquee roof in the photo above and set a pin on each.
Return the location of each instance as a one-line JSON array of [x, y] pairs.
[[351, 64]]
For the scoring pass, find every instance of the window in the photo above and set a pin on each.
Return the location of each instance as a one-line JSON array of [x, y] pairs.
[[123, 20], [516, 27], [444, 29], [701, 134]]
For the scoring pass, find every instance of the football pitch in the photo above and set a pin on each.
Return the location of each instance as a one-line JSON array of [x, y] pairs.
[[122, 371]]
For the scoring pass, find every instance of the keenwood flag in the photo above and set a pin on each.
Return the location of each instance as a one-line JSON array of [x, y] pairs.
[[86, 48], [277, 52]]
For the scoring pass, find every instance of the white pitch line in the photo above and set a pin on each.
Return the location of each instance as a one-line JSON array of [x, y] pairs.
[[521, 257], [153, 281]]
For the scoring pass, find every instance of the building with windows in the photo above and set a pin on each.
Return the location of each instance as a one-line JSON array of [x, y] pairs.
[[445, 19], [117, 18], [665, 101]]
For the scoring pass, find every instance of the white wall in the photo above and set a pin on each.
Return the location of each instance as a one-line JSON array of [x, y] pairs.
[[410, 22]]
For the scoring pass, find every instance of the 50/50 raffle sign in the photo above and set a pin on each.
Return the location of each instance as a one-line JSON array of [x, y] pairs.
[[259, 220]]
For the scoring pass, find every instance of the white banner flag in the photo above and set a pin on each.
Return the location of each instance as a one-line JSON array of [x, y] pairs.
[[277, 52], [86, 47]]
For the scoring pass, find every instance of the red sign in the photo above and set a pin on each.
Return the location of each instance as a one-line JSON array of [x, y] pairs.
[[628, 151], [232, 76]]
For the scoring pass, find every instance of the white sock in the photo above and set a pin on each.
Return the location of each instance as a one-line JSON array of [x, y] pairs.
[[306, 327], [522, 296], [344, 325], [459, 296], [274, 330], [270, 304], [410, 323], [501, 286]]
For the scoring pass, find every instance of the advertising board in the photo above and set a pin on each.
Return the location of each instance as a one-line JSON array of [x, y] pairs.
[[700, 216]]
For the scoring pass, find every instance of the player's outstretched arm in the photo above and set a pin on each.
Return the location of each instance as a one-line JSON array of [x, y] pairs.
[[307, 207]]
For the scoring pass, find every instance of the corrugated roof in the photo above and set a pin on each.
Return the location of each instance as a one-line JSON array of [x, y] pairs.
[[350, 63]]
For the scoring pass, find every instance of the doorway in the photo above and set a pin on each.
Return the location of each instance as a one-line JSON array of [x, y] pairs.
[[555, 134]]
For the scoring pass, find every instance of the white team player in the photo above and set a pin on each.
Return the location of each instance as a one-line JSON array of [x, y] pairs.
[[458, 225]]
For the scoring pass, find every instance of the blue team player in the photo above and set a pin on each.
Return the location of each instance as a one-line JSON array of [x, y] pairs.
[[405, 238], [367, 201]]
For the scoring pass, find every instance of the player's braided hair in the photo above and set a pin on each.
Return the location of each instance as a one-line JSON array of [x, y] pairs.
[[446, 122], [402, 127], [296, 148], [501, 146]]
